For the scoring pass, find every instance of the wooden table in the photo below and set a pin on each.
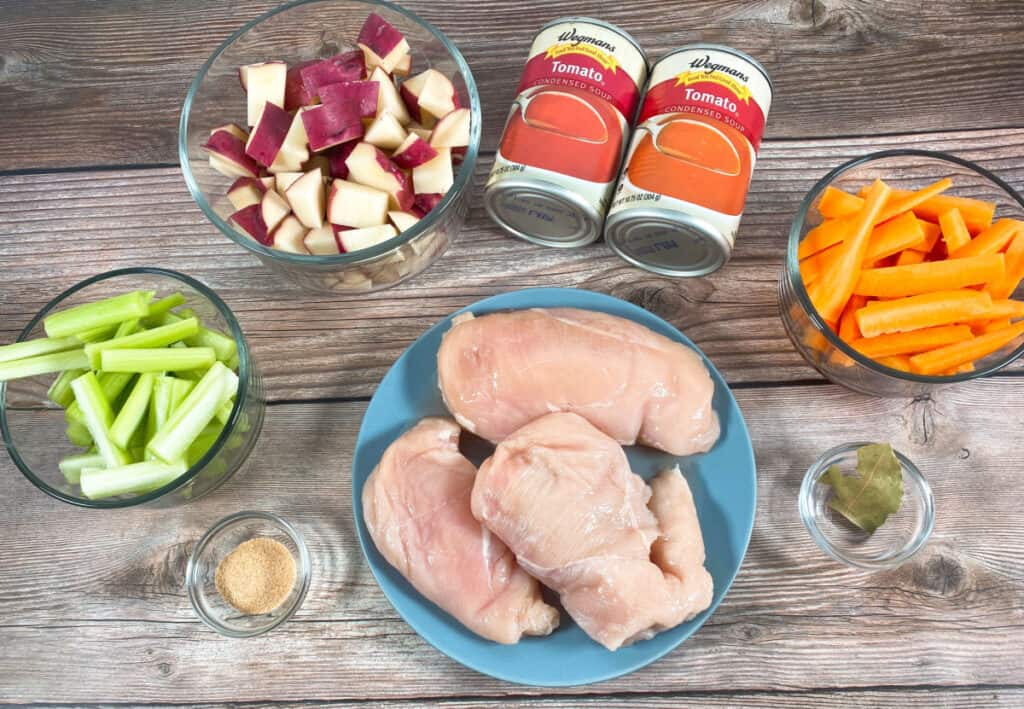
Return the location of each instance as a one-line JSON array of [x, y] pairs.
[[92, 603]]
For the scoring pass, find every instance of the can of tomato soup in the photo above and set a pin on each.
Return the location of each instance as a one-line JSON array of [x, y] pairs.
[[565, 136], [680, 196]]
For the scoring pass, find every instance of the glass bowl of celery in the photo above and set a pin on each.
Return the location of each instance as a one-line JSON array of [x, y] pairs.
[[135, 386]]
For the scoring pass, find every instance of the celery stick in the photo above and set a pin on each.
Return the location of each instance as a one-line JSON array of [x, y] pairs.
[[224, 412], [180, 389], [157, 337], [88, 316], [129, 479], [203, 442], [134, 409], [233, 363], [78, 434], [36, 347], [128, 327], [45, 364], [163, 305], [98, 417], [72, 465], [159, 405], [96, 334], [172, 440], [112, 384], [60, 391], [222, 344], [157, 360]]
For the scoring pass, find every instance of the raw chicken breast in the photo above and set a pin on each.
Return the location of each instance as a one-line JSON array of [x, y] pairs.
[[416, 506], [499, 372], [561, 495]]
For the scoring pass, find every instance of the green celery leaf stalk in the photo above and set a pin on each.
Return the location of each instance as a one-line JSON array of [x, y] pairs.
[[157, 360], [128, 327], [36, 347], [78, 434], [73, 465], [96, 334], [157, 337], [60, 391], [173, 440], [44, 364], [163, 305], [88, 316], [98, 418], [133, 411], [112, 384], [98, 483], [222, 344]]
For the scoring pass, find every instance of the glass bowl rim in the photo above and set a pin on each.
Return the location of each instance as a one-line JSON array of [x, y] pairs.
[[792, 268], [303, 572], [241, 398], [463, 178], [807, 516]]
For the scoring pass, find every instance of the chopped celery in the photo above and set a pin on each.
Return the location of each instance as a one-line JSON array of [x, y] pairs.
[[72, 465], [88, 316], [157, 360], [132, 412], [223, 345], [135, 478], [173, 439], [78, 434], [112, 384], [203, 442], [157, 337], [36, 347], [96, 334], [180, 389], [233, 363], [98, 417], [45, 364], [60, 391], [128, 327], [224, 412], [161, 306], [159, 405]]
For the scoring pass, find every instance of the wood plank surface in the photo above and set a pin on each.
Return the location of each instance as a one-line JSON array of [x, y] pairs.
[[58, 229], [102, 83], [94, 608]]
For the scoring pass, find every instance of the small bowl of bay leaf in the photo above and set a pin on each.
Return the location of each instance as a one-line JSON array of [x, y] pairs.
[[867, 505]]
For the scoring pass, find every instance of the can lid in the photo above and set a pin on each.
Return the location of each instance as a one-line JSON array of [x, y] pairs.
[[667, 242], [542, 212]]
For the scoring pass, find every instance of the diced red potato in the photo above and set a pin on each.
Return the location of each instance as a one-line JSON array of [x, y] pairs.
[[250, 220], [428, 96], [355, 205], [295, 93], [452, 130], [234, 129], [244, 192], [290, 236], [294, 150], [307, 197], [369, 165], [362, 95], [425, 203], [381, 43], [268, 134], [434, 176], [413, 151], [331, 124], [228, 156], [403, 67], [263, 83], [419, 130], [274, 208], [348, 66], [318, 161], [388, 98], [402, 220], [322, 242], [285, 180], [385, 132], [337, 157], [356, 239], [268, 182]]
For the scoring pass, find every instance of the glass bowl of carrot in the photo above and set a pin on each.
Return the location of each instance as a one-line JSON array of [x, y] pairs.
[[903, 273]]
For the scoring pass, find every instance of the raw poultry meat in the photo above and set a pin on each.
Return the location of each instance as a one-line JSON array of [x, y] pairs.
[[498, 372], [416, 506], [561, 495]]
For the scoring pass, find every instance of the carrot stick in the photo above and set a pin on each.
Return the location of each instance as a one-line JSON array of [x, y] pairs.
[[901, 343], [911, 256], [842, 277], [980, 327], [950, 356], [912, 200], [962, 369], [1013, 309], [848, 330], [828, 233], [977, 213], [990, 241], [932, 232], [881, 317], [887, 239], [1014, 270], [900, 362], [811, 268], [899, 281], [835, 203], [954, 229]]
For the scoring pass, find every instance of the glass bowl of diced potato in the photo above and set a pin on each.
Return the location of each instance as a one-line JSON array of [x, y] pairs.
[[903, 273], [336, 141]]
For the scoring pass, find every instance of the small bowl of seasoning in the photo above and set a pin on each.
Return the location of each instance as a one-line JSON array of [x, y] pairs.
[[248, 574], [867, 505]]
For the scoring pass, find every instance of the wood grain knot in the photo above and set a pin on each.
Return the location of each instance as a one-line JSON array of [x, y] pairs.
[[941, 574], [808, 13], [674, 302]]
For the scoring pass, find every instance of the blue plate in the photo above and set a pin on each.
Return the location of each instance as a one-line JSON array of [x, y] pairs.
[[724, 484]]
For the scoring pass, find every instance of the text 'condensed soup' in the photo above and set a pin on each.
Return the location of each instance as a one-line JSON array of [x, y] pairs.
[[680, 197], [565, 136]]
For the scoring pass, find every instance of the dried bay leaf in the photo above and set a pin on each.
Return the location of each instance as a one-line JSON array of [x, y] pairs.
[[876, 491]]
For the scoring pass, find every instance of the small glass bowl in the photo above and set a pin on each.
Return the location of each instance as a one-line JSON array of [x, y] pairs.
[[901, 536], [313, 29], [815, 340], [33, 427], [220, 541]]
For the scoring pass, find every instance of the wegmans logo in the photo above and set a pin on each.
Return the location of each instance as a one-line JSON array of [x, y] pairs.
[[703, 70], [601, 51]]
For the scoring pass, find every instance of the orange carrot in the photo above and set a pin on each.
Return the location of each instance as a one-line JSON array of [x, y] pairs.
[[910, 256], [962, 369], [977, 213], [900, 362], [835, 202], [912, 200], [1014, 269], [828, 233], [980, 327], [881, 317], [1013, 309], [901, 343], [932, 232], [811, 268], [950, 356], [990, 241], [848, 330], [914, 279], [887, 239], [954, 229], [842, 277]]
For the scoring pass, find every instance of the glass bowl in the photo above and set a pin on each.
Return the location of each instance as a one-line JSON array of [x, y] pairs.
[[311, 29], [221, 540], [901, 536], [33, 427], [814, 339]]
